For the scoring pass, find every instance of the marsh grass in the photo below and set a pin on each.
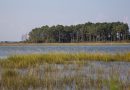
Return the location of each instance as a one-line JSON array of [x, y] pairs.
[[53, 77], [33, 60], [12, 81]]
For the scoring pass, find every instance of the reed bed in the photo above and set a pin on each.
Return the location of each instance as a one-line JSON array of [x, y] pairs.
[[57, 79], [33, 60], [68, 75]]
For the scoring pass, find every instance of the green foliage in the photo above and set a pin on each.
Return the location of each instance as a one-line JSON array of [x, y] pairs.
[[88, 32]]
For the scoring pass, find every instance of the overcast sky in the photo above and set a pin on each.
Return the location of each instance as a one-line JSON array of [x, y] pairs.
[[19, 17]]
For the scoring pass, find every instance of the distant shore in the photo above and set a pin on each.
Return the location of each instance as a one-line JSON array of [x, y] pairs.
[[66, 44]]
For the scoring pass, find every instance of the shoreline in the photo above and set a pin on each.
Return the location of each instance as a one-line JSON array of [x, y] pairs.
[[66, 44]]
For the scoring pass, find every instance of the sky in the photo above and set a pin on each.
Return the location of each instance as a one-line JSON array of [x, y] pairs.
[[18, 17]]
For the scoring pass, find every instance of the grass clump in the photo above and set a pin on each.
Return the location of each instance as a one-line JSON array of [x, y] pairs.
[[10, 73], [12, 80], [32, 60]]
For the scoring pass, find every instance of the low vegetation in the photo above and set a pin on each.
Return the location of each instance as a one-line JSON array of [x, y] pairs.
[[17, 82], [58, 79], [114, 43], [61, 71], [32, 60]]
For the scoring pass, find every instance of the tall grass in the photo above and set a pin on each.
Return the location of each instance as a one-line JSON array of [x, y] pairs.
[[12, 80], [60, 76], [32, 60]]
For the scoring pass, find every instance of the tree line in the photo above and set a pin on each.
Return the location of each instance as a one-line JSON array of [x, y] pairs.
[[88, 32]]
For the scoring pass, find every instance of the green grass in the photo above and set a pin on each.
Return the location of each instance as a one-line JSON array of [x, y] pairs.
[[33, 60]]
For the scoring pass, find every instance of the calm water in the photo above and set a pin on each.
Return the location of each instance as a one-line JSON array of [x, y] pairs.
[[11, 50]]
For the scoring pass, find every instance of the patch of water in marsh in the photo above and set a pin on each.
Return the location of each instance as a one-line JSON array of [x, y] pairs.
[[93, 69]]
